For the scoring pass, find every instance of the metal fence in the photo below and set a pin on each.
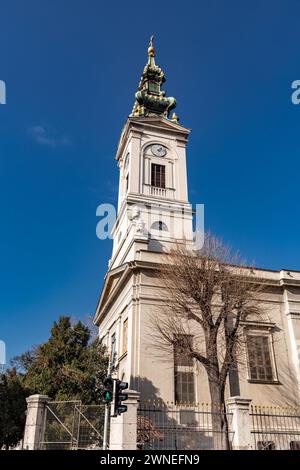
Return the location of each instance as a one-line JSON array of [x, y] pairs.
[[168, 426], [275, 428], [70, 425]]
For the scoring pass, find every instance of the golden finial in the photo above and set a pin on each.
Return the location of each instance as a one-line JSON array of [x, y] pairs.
[[174, 117], [151, 50]]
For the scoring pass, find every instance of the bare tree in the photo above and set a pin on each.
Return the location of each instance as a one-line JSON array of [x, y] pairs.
[[209, 293]]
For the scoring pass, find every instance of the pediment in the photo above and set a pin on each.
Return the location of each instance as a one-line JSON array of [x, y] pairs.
[[140, 123], [111, 284], [159, 122], [113, 278]]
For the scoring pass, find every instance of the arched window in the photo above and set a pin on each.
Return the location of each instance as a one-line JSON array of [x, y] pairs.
[[159, 225]]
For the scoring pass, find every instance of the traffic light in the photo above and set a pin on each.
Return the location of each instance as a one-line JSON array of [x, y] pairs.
[[119, 397], [108, 390]]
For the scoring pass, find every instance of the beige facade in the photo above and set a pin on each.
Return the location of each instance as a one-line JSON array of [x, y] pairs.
[[151, 217], [136, 295]]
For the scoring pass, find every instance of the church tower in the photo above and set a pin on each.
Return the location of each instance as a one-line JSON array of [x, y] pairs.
[[153, 207], [153, 214]]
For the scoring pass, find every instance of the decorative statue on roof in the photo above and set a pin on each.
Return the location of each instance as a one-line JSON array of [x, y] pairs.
[[150, 99]]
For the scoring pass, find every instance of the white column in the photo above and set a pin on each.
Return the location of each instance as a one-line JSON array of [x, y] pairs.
[[35, 417], [119, 332], [240, 420], [135, 176], [146, 170], [293, 322], [123, 429], [170, 184]]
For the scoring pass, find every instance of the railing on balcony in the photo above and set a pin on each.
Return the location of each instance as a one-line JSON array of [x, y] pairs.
[[155, 191]]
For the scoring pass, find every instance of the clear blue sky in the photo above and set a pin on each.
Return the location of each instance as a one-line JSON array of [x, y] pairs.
[[71, 69]]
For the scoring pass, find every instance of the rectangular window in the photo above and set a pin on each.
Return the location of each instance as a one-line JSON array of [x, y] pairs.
[[259, 356], [295, 445], [265, 445], [184, 371], [158, 175], [113, 348], [125, 336], [184, 387], [153, 88], [181, 358], [127, 183]]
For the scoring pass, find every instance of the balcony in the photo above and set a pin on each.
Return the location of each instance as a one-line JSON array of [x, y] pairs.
[[155, 191]]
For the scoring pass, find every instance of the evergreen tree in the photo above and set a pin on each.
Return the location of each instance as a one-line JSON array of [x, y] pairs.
[[12, 409], [68, 366]]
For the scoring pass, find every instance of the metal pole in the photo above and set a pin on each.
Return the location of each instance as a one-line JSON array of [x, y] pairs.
[[107, 415], [106, 421]]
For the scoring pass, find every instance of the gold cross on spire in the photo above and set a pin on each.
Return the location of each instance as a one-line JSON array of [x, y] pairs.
[[151, 50]]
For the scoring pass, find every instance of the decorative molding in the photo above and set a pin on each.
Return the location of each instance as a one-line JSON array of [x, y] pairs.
[[258, 324], [264, 382], [294, 314]]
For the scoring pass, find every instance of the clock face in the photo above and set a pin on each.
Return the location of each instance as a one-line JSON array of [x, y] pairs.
[[158, 150]]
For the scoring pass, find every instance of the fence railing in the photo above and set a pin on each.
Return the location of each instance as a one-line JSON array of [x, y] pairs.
[[181, 426], [160, 425], [275, 428]]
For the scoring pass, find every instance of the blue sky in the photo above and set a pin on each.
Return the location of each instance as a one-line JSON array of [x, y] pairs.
[[71, 70]]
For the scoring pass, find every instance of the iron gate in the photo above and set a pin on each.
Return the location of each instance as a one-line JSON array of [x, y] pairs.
[[70, 425]]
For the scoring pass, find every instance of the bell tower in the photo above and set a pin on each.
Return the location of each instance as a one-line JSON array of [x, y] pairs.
[[153, 207], [153, 215]]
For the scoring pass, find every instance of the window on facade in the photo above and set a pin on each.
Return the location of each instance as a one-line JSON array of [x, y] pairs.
[[184, 373], [113, 348], [184, 387], [259, 356], [125, 336], [180, 357], [158, 175], [153, 88], [266, 445], [126, 161], [159, 225], [127, 183], [295, 445]]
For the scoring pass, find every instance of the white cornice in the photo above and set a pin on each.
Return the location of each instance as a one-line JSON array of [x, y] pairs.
[[140, 124]]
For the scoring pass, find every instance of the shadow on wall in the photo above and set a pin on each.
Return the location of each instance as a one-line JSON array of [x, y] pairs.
[[286, 393], [155, 245], [166, 426]]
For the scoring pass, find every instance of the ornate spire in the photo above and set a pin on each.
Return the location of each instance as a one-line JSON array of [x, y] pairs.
[[151, 51], [150, 100]]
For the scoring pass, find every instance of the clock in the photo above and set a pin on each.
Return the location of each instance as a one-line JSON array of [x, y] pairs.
[[158, 150]]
